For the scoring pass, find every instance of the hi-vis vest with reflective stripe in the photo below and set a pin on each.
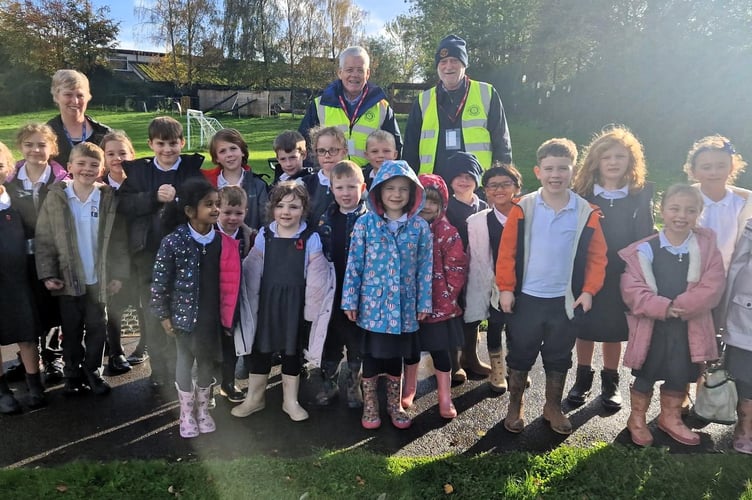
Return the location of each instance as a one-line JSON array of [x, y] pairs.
[[475, 133], [371, 120]]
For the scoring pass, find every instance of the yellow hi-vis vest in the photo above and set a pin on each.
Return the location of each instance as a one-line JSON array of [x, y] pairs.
[[370, 121], [475, 133]]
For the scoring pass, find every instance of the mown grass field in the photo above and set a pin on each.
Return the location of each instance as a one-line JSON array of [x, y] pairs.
[[601, 472], [258, 132]]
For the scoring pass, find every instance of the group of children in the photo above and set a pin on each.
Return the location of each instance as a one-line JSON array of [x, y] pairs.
[[376, 265]]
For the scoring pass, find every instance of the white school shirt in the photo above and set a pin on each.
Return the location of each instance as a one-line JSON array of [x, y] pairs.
[[222, 182], [721, 216], [86, 222], [34, 187], [607, 194], [645, 249], [500, 217]]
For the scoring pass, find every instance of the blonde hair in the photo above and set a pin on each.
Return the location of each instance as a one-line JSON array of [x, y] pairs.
[[381, 136], [588, 171], [69, 79], [44, 130], [715, 142], [87, 150], [6, 162]]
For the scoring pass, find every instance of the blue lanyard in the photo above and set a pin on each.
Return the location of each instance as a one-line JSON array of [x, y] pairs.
[[70, 139]]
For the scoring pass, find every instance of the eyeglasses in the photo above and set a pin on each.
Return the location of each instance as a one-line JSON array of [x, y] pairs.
[[329, 152], [495, 186]]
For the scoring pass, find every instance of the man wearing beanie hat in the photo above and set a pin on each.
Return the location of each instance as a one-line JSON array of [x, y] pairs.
[[353, 105], [458, 114]]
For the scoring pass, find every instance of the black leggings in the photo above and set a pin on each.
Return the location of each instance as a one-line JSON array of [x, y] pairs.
[[373, 367], [261, 363], [441, 361]]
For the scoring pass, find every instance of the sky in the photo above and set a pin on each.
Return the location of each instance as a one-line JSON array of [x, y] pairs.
[[133, 36]]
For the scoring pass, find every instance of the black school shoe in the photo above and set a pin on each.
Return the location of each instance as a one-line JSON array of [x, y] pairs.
[[97, 384], [74, 386], [232, 393], [118, 365]]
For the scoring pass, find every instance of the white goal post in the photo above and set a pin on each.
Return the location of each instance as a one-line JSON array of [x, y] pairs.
[[200, 127]]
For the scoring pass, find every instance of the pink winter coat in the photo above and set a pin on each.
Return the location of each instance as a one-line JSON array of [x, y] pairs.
[[449, 259], [705, 284]]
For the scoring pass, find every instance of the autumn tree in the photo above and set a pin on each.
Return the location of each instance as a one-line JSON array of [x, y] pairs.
[[344, 24], [46, 35], [184, 26]]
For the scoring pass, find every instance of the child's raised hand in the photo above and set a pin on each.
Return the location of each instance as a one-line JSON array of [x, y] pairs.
[[506, 301], [352, 315], [167, 325], [585, 300], [166, 193], [53, 284]]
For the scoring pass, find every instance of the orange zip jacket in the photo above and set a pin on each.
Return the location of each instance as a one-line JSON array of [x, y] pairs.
[[589, 263]]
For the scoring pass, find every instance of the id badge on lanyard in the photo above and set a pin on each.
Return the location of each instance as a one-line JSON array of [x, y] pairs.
[[453, 139]]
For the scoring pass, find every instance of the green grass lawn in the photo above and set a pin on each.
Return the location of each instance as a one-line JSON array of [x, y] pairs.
[[258, 132], [603, 471]]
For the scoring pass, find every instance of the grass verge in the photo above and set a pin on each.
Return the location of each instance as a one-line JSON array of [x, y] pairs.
[[602, 471]]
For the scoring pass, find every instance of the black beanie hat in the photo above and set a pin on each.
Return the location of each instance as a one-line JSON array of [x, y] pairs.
[[462, 163], [452, 46]]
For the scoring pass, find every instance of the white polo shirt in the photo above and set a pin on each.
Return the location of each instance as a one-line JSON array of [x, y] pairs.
[[86, 222]]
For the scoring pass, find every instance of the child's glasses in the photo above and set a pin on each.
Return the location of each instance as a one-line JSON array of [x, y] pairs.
[[329, 152], [495, 186]]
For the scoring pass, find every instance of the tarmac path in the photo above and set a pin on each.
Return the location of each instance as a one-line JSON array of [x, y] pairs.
[[135, 423]]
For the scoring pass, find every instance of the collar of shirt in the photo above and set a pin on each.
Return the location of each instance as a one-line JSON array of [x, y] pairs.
[[273, 228], [571, 204], [4, 200], [202, 239], [174, 167], [323, 179], [283, 177], [234, 235], [676, 250], [93, 196], [23, 175], [353, 102], [113, 183], [500, 216], [394, 225], [222, 181], [724, 202], [607, 194]]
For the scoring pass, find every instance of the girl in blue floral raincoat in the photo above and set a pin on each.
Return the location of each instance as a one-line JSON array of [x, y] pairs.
[[387, 287]]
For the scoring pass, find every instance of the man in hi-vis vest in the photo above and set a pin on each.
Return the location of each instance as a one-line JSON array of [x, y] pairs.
[[353, 105], [458, 114]]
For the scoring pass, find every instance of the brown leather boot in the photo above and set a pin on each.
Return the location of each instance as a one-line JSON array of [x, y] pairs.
[[552, 409], [515, 419], [636, 423], [743, 430], [669, 420], [469, 360]]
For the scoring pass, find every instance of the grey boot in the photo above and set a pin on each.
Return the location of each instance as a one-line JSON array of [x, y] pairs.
[[329, 387], [354, 393]]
